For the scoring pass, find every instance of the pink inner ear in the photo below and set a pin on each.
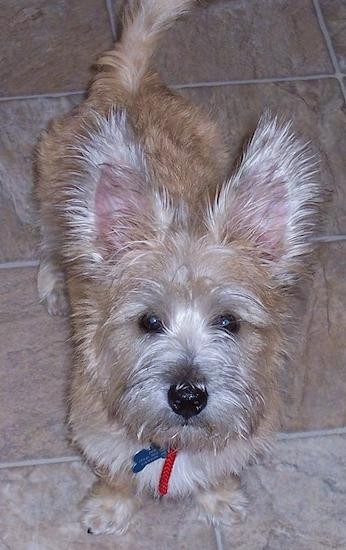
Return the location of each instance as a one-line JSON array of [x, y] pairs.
[[265, 213], [119, 201]]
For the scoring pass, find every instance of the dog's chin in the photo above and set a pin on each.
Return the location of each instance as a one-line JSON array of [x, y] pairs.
[[185, 434]]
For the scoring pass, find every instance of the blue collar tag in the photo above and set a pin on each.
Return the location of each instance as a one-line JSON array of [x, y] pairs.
[[146, 456]]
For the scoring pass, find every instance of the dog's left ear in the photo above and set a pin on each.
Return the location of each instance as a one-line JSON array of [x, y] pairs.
[[272, 202]]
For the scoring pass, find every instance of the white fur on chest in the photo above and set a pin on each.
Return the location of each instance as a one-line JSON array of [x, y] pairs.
[[182, 479], [193, 471]]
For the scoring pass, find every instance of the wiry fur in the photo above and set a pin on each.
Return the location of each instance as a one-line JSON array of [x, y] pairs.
[[138, 215], [143, 23]]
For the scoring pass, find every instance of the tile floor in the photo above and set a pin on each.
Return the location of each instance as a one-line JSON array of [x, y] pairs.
[[235, 58]]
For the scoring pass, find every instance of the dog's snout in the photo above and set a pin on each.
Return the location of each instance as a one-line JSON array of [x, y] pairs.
[[187, 400]]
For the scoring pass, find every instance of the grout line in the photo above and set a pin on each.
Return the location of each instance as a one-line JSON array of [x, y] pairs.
[[284, 436], [218, 538], [281, 436], [111, 16], [342, 87], [324, 29], [210, 84], [42, 96], [24, 263], [326, 36], [329, 238], [39, 462], [252, 81]]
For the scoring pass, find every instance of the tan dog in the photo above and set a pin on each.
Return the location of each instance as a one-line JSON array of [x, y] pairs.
[[180, 280]]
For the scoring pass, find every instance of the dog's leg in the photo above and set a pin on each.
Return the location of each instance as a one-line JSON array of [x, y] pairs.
[[51, 279], [223, 504], [109, 508]]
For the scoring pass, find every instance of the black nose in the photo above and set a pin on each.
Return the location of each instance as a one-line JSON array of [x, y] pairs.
[[187, 400]]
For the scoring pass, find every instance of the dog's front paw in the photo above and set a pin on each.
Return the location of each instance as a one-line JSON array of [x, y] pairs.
[[225, 505], [107, 511], [57, 303], [52, 289]]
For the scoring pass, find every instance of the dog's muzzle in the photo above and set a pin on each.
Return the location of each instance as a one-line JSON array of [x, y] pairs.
[[187, 400]]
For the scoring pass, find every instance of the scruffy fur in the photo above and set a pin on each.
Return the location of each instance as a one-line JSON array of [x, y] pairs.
[[138, 215]]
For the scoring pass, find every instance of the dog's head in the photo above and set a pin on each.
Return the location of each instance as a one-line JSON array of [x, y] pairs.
[[189, 303]]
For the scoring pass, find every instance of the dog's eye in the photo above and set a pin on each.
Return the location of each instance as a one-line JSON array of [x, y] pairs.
[[151, 323], [228, 323]]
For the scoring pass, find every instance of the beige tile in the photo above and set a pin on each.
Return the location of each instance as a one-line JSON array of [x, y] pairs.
[[318, 113], [34, 359], [296, 499], [334, 12], [315, 385], [244, 39], [49, 46], [21, 122], [39, 509]]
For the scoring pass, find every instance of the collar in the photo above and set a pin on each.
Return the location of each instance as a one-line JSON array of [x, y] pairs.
[[146, 456]]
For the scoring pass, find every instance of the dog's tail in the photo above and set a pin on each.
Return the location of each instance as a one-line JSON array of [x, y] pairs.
[[144, 22]]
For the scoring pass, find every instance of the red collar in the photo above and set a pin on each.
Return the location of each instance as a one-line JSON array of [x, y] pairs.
[[167, 470], [146, 456]]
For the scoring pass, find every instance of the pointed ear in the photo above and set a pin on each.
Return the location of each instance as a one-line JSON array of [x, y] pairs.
[[111, 205], [273, 201]]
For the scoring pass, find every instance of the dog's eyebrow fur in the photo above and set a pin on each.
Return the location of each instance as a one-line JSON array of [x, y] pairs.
[[248, 306]]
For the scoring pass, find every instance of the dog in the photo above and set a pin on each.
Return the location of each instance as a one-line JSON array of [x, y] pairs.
[[180, 280]]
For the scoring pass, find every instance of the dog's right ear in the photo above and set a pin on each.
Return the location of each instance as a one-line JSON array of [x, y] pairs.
[[111, 206]]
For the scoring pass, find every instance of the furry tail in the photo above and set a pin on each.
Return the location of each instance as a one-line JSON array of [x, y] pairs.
[[144, 22]]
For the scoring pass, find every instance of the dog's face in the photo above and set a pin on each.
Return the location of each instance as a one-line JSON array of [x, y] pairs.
[[190, 343], [191, 305]]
